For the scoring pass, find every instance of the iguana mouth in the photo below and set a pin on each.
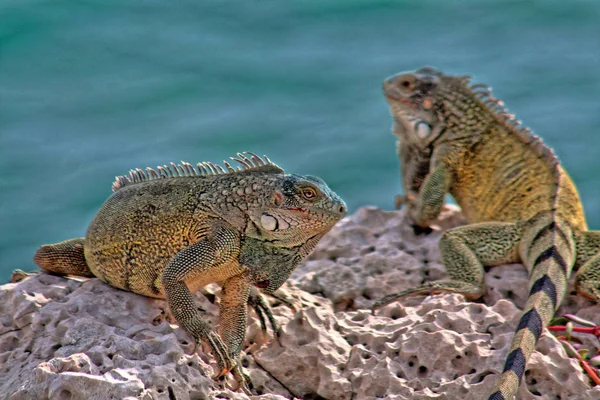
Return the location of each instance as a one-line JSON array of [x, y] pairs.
[[296, 209], [392, 96]]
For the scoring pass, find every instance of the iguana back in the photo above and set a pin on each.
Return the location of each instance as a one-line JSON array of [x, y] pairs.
[[141, 227], [520, 205], [502, 179]]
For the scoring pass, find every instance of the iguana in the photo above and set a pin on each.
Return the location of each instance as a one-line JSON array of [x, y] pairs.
[[168, 232], [519, 203]]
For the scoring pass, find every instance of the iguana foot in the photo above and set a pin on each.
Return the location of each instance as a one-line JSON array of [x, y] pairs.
[[469, 290], [403, 200], [243, 379], [284, 300], [226, 364], [19, 275], [262, 308]]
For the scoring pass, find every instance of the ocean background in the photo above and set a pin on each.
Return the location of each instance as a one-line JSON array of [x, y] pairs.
[[91, 89]]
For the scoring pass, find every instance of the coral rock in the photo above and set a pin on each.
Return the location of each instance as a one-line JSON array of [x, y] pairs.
[[67, 339]]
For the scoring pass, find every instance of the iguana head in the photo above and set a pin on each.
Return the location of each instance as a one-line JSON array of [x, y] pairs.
[[425, 103], [296, 209]]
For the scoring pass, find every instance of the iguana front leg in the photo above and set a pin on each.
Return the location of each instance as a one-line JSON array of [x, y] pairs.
[[232, 321], [208, 260], [465, 251], [432, 194]]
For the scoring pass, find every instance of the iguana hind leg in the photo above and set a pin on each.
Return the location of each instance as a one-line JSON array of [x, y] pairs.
[[548, 251], [587, 278], [64, 258], [465, 251]]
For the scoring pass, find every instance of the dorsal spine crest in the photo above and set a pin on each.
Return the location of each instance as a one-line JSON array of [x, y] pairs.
[[496, 107], [249, 162]]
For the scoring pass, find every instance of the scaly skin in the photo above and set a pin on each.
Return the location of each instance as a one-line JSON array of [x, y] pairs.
[[520, 205], [167, 234]]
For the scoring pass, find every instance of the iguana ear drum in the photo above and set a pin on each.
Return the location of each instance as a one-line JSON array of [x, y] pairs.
[[422, 129], [269, 222]]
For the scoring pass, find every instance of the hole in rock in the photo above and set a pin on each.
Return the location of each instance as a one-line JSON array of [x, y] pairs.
[[210, 297], [367, 250], [171, 393], [397, 313], [481, 376], [64, 395], [422, 371], [312, 396], [358, 317]]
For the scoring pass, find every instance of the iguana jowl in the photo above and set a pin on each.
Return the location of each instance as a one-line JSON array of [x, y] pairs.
[[167, 233], [520, 204]]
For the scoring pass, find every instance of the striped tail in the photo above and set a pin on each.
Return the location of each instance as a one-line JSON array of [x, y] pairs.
[[64, 258], [548, 251]]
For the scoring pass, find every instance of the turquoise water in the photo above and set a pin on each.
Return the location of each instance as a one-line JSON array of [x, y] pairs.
[[90, 89]]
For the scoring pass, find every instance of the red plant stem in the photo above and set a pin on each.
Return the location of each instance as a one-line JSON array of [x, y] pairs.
[[592, 331], [587, 368], [590, 371]]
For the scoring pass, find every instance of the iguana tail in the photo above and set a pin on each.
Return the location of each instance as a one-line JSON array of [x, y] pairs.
[[64, 258], [548, 250]]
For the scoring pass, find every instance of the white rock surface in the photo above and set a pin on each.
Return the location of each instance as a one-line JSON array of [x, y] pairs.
[[64, 339]]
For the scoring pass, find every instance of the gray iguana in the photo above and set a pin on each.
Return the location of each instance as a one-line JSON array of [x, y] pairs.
[[520, 204], [168, 232]]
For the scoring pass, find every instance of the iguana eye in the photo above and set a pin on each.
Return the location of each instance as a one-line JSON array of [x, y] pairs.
[[422, 129], [309, 193], [407, 84]]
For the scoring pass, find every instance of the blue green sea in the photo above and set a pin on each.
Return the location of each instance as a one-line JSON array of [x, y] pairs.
[[90, 89]]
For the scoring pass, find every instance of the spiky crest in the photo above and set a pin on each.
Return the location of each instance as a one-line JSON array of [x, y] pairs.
[[253, 163], [496, 107]]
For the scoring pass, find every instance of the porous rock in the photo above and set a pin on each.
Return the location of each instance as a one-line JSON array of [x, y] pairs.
[[67, 339]]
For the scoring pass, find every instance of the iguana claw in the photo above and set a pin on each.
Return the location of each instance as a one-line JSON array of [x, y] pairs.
[[226, 364], [257, 301]]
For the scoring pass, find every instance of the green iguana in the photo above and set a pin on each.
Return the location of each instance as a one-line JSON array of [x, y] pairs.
[[521, 206], [167, 233]]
